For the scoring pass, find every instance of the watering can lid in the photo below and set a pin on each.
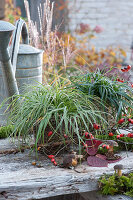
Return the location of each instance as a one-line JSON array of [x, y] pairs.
[[27, 49], [6, 26]]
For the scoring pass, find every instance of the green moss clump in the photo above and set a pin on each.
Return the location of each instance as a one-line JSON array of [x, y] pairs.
[[5, 131], [111, 185]]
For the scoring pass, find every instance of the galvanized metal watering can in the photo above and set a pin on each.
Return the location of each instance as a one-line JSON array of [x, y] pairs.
[[20, 64]]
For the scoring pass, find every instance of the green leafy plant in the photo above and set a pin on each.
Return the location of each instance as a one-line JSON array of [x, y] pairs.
[[115, 95], [111, 185], [53, 111], [124, 142], [5, 131]]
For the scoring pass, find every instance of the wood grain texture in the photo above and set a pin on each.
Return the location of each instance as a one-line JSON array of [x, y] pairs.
[[20, 180]]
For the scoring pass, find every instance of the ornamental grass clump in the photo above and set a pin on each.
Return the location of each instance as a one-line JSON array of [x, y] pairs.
[[115, 95], [54, 113]]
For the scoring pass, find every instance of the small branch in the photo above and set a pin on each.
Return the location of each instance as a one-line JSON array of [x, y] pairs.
[[22, 149]]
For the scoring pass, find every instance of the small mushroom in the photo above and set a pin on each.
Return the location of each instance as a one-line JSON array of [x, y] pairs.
[[118, 169]]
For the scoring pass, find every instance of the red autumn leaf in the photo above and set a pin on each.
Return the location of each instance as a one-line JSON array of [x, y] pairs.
[[91, 151], [101, 156], [105, 158], [94, 161], [93, 146], [113, 161]]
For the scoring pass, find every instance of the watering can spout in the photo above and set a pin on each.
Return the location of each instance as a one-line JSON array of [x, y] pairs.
[[6, 30]]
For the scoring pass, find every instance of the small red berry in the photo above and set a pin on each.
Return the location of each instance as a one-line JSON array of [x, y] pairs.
[[55, 163], [129, 67], [121, 135], [85, 145], [65, 136], [111, 134], [107, 147], [87, 135], [129, 135], [118, 136], [121, 121], [96, 126], [104, 145], [120, 80], [132, 85], [50, 156], [124, 70], [131, 121], [50, 133], [53, 160]]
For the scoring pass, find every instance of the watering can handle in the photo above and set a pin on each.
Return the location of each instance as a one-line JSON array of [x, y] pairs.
[[21, 30]]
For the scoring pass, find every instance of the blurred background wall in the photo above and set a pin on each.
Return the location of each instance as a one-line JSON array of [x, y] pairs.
[[115, 16]]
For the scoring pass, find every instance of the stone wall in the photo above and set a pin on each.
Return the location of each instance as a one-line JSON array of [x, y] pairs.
[[115, 16]]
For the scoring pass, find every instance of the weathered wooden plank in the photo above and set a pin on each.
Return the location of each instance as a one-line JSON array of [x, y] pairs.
[[23, 181]]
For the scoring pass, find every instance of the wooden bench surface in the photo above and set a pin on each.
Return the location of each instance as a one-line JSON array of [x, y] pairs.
[[20, 180]]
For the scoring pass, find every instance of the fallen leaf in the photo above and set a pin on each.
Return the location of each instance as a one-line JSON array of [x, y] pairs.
[[94, 161]]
